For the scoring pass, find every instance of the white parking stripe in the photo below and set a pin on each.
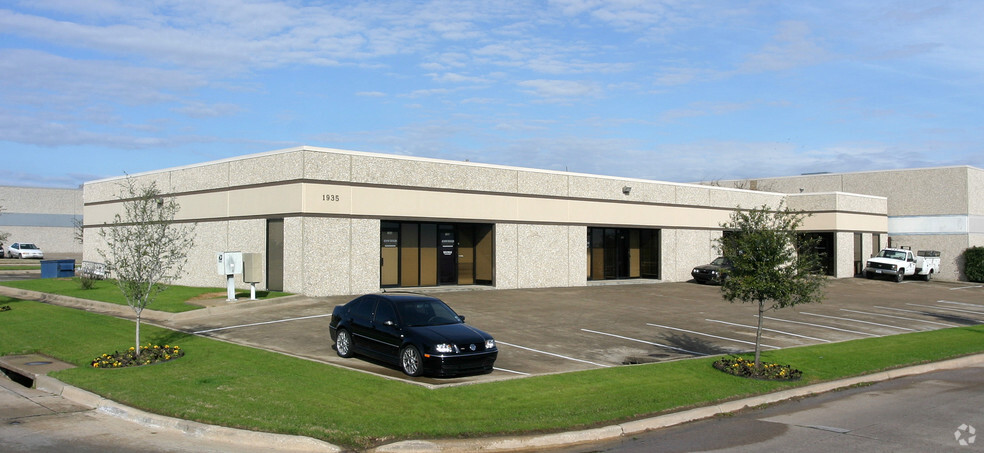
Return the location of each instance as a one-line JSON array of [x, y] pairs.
[[900, 317], [259, 324], [769, 330], [967, 287], [858, 321], [965, 304], [948, 309], [712, 336], [552, 354], [644, 341], [511, 371], [820, 326]]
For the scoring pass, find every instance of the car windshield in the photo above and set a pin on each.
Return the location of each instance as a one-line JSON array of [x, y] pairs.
[[427, 312], [28, 247], [892, 254], [720, 261]]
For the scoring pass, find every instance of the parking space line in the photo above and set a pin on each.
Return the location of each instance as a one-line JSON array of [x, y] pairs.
[[965, 304], [259, 324], [644, 341], [769, 330], [511, 371], [967, 287], [858, 321], [552, 354], [900, 317], [820, 326], [948, 309], [712, 336]]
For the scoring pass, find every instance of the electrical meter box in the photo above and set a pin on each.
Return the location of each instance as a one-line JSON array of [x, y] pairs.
[[252, 267], [229, 263]]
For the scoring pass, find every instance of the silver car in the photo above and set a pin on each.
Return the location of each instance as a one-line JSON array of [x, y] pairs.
[[24, 250]]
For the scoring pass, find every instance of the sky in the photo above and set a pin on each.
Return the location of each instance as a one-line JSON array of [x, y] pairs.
[[670, 90]]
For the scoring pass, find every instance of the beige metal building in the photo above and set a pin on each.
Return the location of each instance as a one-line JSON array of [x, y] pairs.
[[928, 209], [332, 222], [42, 216]]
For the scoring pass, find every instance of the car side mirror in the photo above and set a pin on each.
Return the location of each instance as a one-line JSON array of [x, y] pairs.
[[462, 318]]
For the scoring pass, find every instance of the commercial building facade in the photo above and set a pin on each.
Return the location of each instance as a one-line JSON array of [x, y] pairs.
[[332, 222], [928, 208], [42, 216]]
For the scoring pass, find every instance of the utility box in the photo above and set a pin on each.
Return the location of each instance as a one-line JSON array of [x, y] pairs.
[[229, 263], [252, 267]]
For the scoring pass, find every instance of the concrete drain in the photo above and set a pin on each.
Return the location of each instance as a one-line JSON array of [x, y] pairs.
[[639, 360]]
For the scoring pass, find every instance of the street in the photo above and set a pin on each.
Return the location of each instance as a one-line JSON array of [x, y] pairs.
[[930, 412]]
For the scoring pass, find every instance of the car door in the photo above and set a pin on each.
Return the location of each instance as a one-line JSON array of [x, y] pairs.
[[386, 331], [360, 323]]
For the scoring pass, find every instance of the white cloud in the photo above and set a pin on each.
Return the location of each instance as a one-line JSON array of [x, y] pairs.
[[561, 90], [791, 47]]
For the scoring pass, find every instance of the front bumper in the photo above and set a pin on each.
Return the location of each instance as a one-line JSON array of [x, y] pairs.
[[886, 272], [456, 364]]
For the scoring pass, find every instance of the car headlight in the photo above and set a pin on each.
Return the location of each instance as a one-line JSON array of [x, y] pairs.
[[444, 348], [489, 344]]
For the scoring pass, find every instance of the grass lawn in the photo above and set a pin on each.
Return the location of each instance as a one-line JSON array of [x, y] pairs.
[[173, 300], [20, 267], [221, 383]]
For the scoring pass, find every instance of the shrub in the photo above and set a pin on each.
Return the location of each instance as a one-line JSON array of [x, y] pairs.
[[974, 264]]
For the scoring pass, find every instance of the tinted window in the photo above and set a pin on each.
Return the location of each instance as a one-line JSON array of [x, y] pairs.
[[361, 308], [384, 312], [427, 312]]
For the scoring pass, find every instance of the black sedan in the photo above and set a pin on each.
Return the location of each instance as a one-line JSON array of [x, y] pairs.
[[715, 272], [420, 334]]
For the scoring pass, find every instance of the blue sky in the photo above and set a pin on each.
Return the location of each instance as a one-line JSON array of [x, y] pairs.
[[667, 90]]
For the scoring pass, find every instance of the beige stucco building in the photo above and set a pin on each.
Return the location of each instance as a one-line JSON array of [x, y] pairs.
[[928, 208], [42, 216], [332, 222]]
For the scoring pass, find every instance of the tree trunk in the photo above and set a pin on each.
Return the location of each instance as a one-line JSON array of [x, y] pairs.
[[137, 350], [758, 337]]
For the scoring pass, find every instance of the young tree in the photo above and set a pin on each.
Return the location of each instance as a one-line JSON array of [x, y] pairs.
[[771, 265], [145, 249]]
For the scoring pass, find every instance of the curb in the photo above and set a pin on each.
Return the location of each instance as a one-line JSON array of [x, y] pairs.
[[271, 441], [613, 432]]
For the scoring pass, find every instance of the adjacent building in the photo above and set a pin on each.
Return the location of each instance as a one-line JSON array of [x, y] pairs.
[[928, 208], [43, 216], [333, 222]]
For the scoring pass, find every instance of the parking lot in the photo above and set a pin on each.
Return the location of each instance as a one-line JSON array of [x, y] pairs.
[[554, 330]]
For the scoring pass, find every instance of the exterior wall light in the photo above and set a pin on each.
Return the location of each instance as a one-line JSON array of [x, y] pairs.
[[626, 190]]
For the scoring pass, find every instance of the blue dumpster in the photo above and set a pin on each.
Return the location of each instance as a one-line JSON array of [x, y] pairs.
[[57, 268]]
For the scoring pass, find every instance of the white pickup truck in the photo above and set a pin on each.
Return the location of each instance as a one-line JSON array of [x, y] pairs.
[[901, 262]]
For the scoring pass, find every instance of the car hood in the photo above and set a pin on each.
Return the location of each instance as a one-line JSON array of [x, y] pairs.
[[884, 260], [451, 333], [708, 267]]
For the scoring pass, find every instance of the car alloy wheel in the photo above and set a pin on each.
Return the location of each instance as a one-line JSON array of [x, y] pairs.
[[410, 360], [343, 343]]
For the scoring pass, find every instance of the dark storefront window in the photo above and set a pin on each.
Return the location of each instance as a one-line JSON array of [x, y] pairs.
[[825, 248], [620, 253], [430, 254]]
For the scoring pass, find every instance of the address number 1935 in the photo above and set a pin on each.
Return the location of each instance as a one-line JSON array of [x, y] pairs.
[[331, 197]]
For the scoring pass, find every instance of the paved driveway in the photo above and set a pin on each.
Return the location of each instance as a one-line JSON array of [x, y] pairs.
[[554, 330]]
